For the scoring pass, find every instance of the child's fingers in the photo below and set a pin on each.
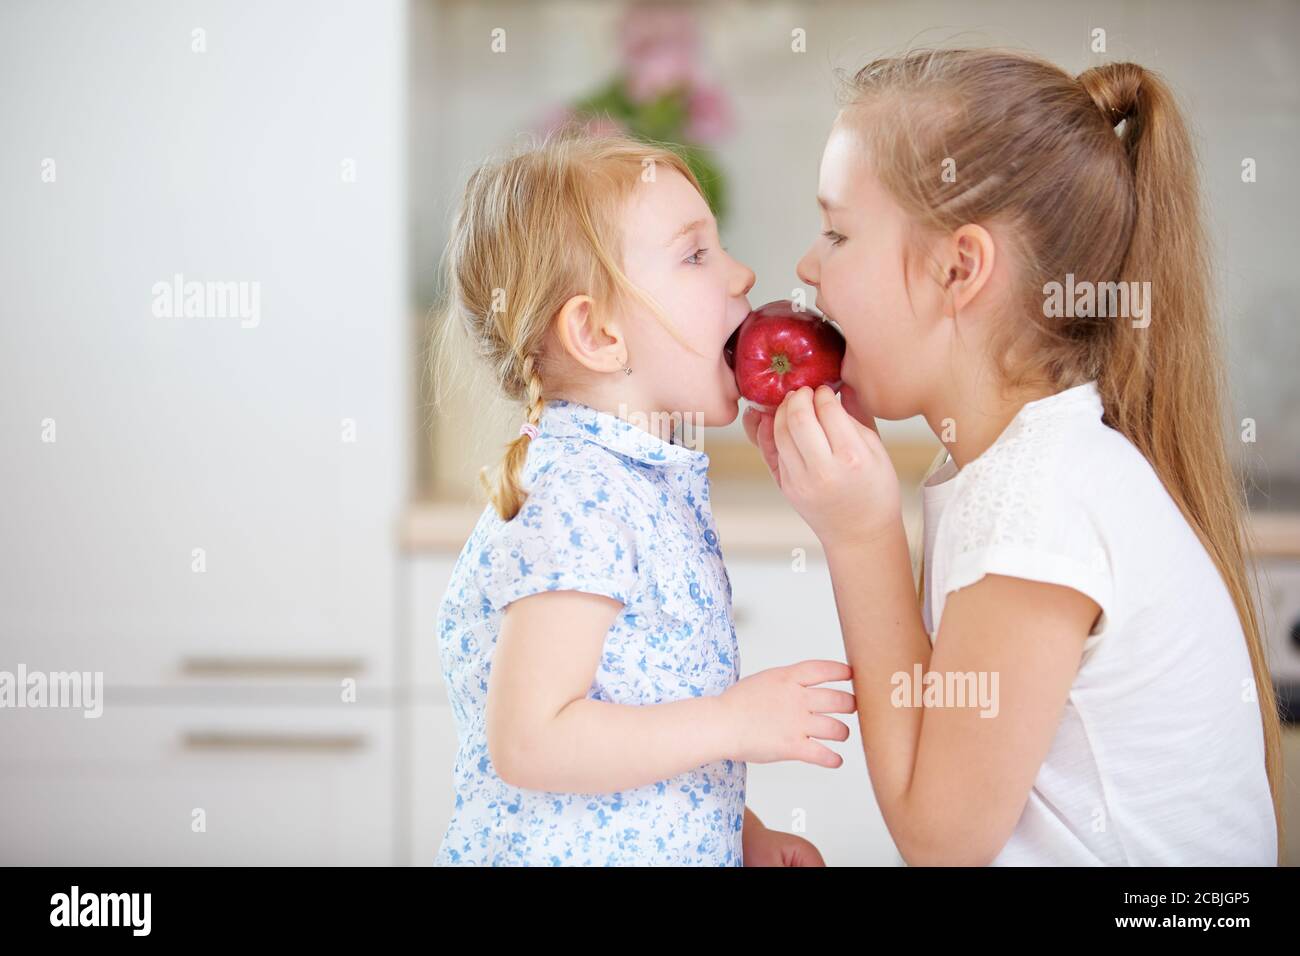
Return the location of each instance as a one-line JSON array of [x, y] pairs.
[[758, 428], [805, 429], [803, 853], [752, 419], [842, 430], [761, 437], [821, 672], [852, 403], [827, 728], [810, 751], [791, 459], [827, 700], [767, 444]]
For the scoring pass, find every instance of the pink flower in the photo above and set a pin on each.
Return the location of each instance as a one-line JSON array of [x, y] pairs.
[[708, 115], [659, 49]]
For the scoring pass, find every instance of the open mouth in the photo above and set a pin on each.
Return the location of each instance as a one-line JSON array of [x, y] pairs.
[[729, 349]]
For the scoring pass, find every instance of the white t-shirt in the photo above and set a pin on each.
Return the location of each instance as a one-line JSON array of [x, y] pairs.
[[1159, 755]]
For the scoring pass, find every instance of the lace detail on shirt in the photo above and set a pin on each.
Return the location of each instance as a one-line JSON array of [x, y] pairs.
[[1001, 498]]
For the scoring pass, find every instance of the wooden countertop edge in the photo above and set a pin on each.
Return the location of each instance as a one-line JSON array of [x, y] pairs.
[[433, 527], [1277, 533], [755, 529]]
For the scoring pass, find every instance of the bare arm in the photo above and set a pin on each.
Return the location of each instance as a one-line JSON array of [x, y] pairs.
[[750, 831], [950, 782], [544, 733]]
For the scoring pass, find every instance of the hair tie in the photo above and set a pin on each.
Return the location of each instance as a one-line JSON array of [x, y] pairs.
[[529, 429]]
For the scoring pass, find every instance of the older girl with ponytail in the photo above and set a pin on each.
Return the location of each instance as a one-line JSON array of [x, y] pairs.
[[1084, 555]]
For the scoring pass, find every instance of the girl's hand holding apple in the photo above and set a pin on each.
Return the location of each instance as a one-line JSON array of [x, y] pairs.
[[833, 469], [815, 449]]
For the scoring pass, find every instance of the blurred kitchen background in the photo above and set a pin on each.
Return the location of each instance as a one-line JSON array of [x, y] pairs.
[[245, 520]]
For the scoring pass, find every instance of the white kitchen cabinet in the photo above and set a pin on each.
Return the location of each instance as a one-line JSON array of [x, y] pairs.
[[200, 507], [428, 575], [433, 741], [784, 616], [430, 728], [284, 785]]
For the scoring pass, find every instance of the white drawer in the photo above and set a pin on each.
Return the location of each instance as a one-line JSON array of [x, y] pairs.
[[124, 599], [433, 744], [278, 786], [427, 577], [432, 729]]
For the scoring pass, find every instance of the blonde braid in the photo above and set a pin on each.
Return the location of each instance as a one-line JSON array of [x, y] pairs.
[[507, 494]]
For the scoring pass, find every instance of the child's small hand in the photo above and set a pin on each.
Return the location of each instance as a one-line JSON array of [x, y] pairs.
[[765, 847], [831, 467], [775, 714]]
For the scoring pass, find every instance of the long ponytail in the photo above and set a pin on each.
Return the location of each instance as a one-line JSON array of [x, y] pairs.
[[1162, 382]]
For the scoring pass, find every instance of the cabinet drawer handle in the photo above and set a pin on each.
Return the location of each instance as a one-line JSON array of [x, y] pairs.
[[239, 740], [200, 666]]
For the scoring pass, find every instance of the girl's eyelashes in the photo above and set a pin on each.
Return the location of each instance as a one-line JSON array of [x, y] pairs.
[[834, 237], [697, 257]]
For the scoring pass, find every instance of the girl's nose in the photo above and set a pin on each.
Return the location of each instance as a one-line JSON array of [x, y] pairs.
[[744, 280], [806, 270]]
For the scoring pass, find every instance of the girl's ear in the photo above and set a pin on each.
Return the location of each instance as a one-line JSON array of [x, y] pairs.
[[968, 265], [595, 342]]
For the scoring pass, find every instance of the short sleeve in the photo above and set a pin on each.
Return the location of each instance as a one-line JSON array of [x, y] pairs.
[[573, 533], [1037, 530]]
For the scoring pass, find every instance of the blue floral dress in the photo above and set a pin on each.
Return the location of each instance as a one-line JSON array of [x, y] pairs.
[[612, 509]]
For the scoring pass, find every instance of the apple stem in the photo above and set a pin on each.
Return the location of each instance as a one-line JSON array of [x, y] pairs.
[[780, 364]]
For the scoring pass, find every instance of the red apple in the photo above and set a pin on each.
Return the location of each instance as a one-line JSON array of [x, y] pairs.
[[779, 349]]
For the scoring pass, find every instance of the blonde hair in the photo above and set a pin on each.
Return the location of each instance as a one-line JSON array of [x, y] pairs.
[[1037, 149], [533, 230]]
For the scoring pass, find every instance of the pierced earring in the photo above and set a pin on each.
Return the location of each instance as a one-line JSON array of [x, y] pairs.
[[626, 369]]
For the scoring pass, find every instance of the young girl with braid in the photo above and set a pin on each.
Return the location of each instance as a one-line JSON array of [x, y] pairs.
[[586, 634]]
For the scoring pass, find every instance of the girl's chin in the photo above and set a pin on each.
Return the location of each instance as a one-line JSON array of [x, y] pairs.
[[722, 420], [724, 411], [854, 405], [730, 398], [716, 410], [718, 407]]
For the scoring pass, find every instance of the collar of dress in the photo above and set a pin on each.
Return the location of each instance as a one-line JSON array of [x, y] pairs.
[[562, 418]]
